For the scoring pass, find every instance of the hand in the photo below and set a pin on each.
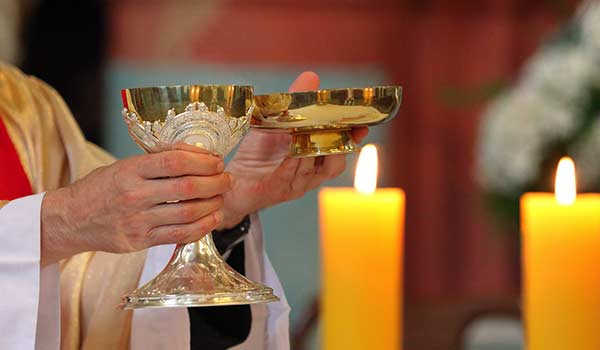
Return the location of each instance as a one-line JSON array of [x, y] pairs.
[[263, 174], [123, 207]]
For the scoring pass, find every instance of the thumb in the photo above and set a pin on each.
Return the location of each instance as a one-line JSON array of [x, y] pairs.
[[305, 81]]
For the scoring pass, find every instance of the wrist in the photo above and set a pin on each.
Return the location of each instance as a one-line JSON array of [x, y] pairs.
[[57, 238], [236, 206], [226, 239], [238, 203], [231, 219], [250, 193]]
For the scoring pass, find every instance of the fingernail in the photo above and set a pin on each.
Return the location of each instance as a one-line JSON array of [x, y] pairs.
[[219, 216], [231, 180], [220, 165]]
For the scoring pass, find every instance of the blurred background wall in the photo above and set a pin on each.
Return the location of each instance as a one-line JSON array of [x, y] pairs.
[[450, 56]]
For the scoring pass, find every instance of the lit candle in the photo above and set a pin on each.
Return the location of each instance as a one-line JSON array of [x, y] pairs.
[[561, 266], [362, 249]]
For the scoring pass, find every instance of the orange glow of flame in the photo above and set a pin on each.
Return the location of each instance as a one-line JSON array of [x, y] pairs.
[[566, 184], [365, 178]]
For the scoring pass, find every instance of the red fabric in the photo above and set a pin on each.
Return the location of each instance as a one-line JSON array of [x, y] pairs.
[[124, 98], [13, 180]]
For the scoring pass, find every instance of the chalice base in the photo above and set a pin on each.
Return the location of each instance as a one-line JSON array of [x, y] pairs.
[[313, 143], [197, 276]]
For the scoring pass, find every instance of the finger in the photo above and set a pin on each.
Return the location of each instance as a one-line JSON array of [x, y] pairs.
[[187, 147], [179, 163], [304, 173], [305, 81], [185, 233], [332, 167], [183, 212], [186, 188], [319, 162], [359, 133], [285, 173]]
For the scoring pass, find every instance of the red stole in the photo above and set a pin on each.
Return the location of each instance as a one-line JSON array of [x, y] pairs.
[[13, 180]]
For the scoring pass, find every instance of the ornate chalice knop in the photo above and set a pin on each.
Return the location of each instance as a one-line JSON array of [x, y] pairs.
[[215, 118]]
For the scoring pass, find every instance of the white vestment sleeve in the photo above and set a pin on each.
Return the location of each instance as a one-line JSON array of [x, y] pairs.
[[24, 310], [278, 323]]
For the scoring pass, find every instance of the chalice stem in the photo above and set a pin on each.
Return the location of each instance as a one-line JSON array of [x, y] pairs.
[[193, 252]]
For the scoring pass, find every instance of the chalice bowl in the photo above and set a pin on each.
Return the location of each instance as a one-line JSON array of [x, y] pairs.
[[215, 118]]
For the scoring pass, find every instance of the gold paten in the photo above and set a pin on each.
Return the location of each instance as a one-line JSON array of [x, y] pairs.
[[321, 121], [214, 117]]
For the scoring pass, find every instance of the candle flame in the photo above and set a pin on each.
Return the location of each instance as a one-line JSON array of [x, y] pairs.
[[365, 178], [566, 184]]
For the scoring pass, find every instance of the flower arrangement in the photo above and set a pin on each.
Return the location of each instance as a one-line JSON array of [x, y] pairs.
[[553, 110]]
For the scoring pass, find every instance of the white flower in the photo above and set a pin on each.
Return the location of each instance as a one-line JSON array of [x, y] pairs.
[[544, 109], [586, 155], [563, 73], [515, 132], [590, 27], [506, 144]]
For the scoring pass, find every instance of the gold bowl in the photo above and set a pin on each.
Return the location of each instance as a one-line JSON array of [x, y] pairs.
[[321, 121], [150, 109], [153, 103]]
